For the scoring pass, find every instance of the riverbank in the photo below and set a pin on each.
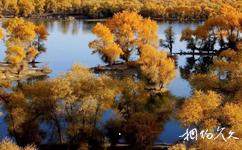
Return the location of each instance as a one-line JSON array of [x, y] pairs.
[[6, 73], [70, 17]]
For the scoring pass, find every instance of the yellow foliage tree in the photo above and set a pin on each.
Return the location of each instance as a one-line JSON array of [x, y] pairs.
[[7, 144], [225, 75], [26, 7], [182, 10], [1, 34], [208, 111], [63, 5], [134, 5], [126, 30], [11, 6], [84, 97], [15, 55], [23, 41], [223, 29], [41, 36], [156, 66], [105, 45], [200, 107], [231, 114], [41, 32], [51, 6], [178, 147], [20, 32], [31, 53], [40, 6], [220, 144]]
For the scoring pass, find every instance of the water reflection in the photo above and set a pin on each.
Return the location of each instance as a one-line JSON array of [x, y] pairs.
[[196, 64], [65, 26], [87, 26], [63, 111], [67, 44]]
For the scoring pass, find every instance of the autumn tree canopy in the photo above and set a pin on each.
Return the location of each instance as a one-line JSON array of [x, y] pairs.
[[23, 41], [1, 34], [156, 66], [181, 10], [223, 29], [218, 101], [8, 144], [123, 35], [128, 33]]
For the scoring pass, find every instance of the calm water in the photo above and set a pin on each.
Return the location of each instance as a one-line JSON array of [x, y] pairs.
[[67, 44]]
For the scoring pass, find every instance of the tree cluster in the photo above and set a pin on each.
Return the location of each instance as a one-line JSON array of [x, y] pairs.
[[128, 33], [221, 31], [71, 107], [217, 102], [23, 41], [172, 9]]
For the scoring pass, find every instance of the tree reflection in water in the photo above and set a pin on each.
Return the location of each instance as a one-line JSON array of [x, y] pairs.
[[68, 110], [196, 64]]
